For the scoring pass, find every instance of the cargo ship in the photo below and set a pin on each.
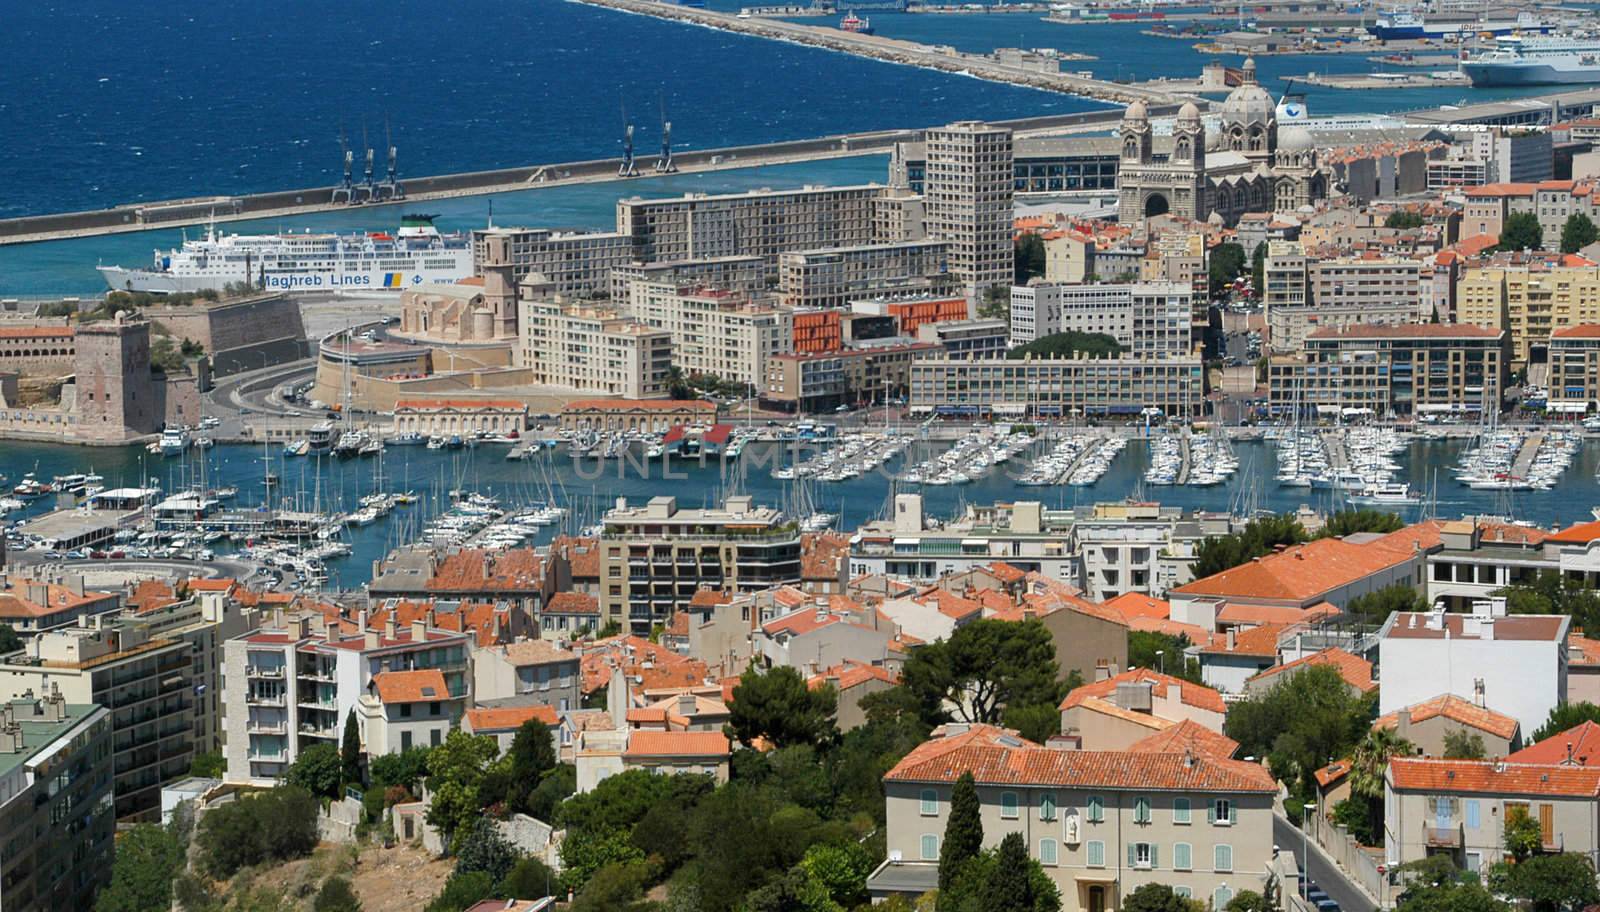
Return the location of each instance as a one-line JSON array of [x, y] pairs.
[[1535, 61], [1403, 25]]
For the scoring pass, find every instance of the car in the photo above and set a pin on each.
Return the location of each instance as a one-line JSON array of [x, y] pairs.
[[75, 555], [117, 555], [52, 555], [97, 555], [333, 416]]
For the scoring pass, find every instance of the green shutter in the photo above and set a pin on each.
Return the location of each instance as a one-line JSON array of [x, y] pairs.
[[1155, 855], [1133, 854], [1233, 813], [1211, 812]]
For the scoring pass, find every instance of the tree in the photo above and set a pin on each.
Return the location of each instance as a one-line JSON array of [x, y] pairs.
[[1565, 716], [614, 887], [455, 770], [514, 779], [1249, 901], [482, 848], [1578, 233], [1155, 897], [404, 769], [1227, 261], [165, 358], [1068, 344], [1521, 231], [350, 752], [1010, 887], [1028, 253], [1299, 724], [211, 765], [529, 878], [1350, 522], [1463, 745], [1354, 816], [1434, 884], [1403, 220], [1144, 644], [1258, 269], [1552, 593], [963, 831], [147, 858], [776, 705], [1259, 537], [840, 870], [316, 770], [1037, 722], [677, 388], [982, 668], [336, 895], [1367, 769], [275, 825], [9, 641], [461, 892], [1375, 607], [1523, 835], [1549, 883]]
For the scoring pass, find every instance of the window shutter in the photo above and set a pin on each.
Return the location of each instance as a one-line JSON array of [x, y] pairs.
[[1233, 813], [1133, 854], [1211, 812], [1155, 855]]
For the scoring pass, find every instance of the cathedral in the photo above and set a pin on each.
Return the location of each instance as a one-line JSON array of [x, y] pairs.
[[1251, 167]]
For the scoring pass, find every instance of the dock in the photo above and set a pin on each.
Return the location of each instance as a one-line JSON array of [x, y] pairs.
[[1531, 111], [1333, 444], [1359, 81], [1524, 461], [1183, 468]]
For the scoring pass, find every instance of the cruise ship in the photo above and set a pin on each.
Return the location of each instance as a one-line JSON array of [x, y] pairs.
[[1535, 61], [1404, 24], [379, 262]]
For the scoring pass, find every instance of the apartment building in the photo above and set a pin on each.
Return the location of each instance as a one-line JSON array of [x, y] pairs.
[[1529, 304], [1553, 201], [899, 214], [1100, 823], [34, 605], [908, 312], [739, 274], [56, 807], [526, 672], [1150, 320], [909, 546], [763, 223], [1133, 547], [292, 683], [574, 263], [968, 190], [715, 332], [1055, 388], [1459, 808], [146, 685], [592, 348], [1349, 282], [1453, 173], [655, 557], [1405, 370], [813, 382], [832, 276], [1574, 358], [406, 709], [967, 340]]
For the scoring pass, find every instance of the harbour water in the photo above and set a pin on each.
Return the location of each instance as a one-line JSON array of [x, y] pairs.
[[590, 486]]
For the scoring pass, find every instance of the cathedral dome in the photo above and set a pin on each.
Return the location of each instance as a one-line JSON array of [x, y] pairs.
[[1136, 111], [1249, 103], [1294, 138], [1189, 113]]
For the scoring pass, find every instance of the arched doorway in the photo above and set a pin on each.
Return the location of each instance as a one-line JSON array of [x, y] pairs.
[[1156, 204], [1097, 899]]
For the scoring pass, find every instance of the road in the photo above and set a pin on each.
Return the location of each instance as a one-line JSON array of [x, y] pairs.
[[1321, 870]]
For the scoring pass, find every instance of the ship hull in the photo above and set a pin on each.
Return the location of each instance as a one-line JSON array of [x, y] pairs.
[[1487, 75], [336, 281]]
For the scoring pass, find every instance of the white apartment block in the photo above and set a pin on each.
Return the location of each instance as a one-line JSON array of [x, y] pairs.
[[723, 333], [1150, 320], [968, 200], [833, 277], [734, 273], [574, 262], [760, 223], [591, 348]]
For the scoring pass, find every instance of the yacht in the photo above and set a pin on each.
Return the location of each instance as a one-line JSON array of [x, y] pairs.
[[174, 441]]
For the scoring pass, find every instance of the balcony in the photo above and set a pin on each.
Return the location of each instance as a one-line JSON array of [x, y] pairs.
[[313, 703], [324, 676], [1447, 837], [275, 673], [319, 731], [262, 699], [279, 727]]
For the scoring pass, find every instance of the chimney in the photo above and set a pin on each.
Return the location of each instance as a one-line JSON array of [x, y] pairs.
[[419, 631], [1477, 692], [369, 638], [1402, 724], [389, 630], [1233, 638], [1101, 671], [362, 619], [686, 704]]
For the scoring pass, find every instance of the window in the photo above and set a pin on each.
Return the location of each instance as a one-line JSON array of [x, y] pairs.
[[433, 738], [1094, 854], [433, 708], [1182, 857], [1047, 806], [405, 710], [930, 847], [1047, 851], [1223, 860], [1473, 819], [1180, 810], [405, 741], [1097, 809], [1141, 810], [1008, 805], [1222, 813], [1184, 892], [930, 803], [1141, 855]]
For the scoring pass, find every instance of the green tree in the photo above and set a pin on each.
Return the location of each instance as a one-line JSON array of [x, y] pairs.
[[778, 706], [1010, 888], [1403, 220], [1037, 722], [585, 852], [1464, 745], [210, 765], [677, 388], [350, 752], [1068, 344], [9, 641], [1523, 835], [336, 895], [455, 771], [275, 825], [1249, 901], [963, 831], [147, 858], [1433, 884], [841, 870], [1353, 815], [1374, 608], [1227, 261], [981, 669], [1367, 768], [1521, 231], [1300, 723], [1259, 537], [165, 358], [1028, 253], [316, 770], [1144, 644], [617, 886], [1351, 521], [529, 878], [1552, 593], [1563, 882], [1155, 897], [404, 769], [515, 778], [1578, 233], [462, 891], [1258, 269], [1565, 716], [482, 848]]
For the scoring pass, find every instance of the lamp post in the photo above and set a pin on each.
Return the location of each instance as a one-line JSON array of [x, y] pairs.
[[1305, 854], [1161, 660]]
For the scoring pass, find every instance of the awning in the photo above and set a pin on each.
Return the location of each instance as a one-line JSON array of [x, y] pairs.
[[1433, 407], [1568, 408], [1357, 411], [1327, 410], [976, 542], [1009, 408]]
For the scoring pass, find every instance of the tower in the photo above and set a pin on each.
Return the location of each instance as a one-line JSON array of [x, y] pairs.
[[968, 191], [1135, 131], [1250, 119], [116, 395], [1149, 186]]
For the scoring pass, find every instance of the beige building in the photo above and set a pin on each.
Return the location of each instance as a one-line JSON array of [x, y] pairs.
[[1116, 712], [1068, 257], [1528, 304], [1056, 387], [592, 348], [1101, 823], [714, 332], [1400, 370], [1426, 725], [574, 263], [833, 276], [1354, 283], [968, 189], [406, 709], [1150, 320], [741, 274], [653, 416], [810, 382], [449, 313], [1575, 368], [528, 671], [899, 214], [762, 223], [460, 417]]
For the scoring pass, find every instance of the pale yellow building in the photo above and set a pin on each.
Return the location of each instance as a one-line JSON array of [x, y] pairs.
[[592, 348], [718, 333], [1529, 304]]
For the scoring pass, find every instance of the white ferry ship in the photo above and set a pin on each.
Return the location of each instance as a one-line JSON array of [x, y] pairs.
[[1535, 61], [377, 262]]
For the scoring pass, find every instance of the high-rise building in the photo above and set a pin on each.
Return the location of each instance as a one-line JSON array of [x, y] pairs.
[[592, 348], [760, 223], [56, 818], [832, 276], [1529, 304], [968, 195], [714, 332], [574, 263], [1148, 319]]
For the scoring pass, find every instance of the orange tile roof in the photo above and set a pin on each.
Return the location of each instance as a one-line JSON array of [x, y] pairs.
[[1579, 534], [648, 405], [649, 665], [710, 598], [1455, 709], [851, 674], [1303, 572], [1577, 746], [998, 757], [677, 625], [1195, 634], [950, 604], [677, 744], [1138, 605], [1503, 189], [1405, 331], [536, 652], [572, 603], [435, 405], [1188, 736], [211, 585], [36, 332], [1261, 642], [582, 554], [411, 686], [1493, 777], [1333, 772], [1189, 693], [1588, 649], [476, 570], [14, 603], [1356, 671], [1006, 573], [1240, 615], [151, 595], [486, 719], [822, 554]]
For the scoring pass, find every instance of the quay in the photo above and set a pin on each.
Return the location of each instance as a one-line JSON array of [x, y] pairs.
[[1358, 81], [287, 203], [1524, 461], [1531, 111]]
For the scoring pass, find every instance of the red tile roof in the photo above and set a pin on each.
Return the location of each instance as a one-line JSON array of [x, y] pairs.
[[1188, 692], [648, 405], [852, 674], [1300, 573], [14, 603], [1356, 671], [411, 686], [707, 744], [473, 570], [572, 603], [582, 554], [998, 757], [1455, 709], [151, 595], [435, 405], [211, 585], [1261, 642], [486, 719], [1006, 573], [1491, 777], [822, 554], [1138, 605], [1191, 737], [1405, 331], [1578, 745], [1579, 534], [1333, 772]]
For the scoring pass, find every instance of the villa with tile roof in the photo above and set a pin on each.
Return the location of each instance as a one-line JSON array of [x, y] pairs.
[[1356, 671], [503, 722], [406, 709], [1125, 709], [1427, 723], [527, 672], [853, 680]]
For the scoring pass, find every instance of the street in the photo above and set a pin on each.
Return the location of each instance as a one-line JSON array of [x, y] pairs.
[[1322, 873]]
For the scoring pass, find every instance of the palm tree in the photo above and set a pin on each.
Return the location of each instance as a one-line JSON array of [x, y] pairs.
[[677, 386], [1367, 766]]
